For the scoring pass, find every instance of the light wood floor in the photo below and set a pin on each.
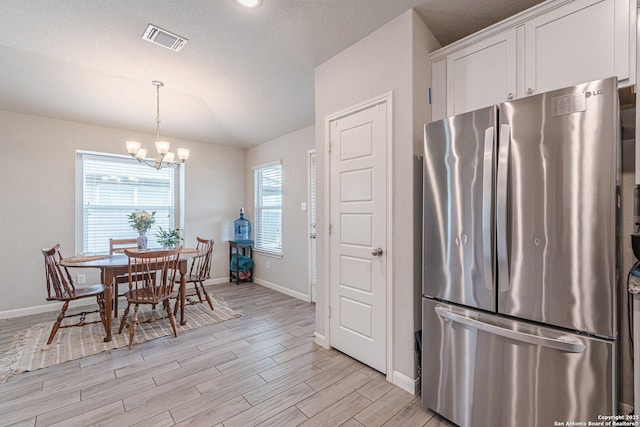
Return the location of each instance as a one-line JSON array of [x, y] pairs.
[[260, 369]]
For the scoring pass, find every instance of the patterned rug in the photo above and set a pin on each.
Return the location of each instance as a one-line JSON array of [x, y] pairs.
[[29, 350]]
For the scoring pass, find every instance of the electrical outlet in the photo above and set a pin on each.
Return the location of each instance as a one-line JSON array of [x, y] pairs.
[[81, 279], [267, 264]]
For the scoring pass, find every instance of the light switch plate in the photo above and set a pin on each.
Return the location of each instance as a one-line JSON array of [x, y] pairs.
[[303, 206]]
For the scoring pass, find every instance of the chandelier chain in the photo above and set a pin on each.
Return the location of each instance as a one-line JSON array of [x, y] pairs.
[[158, 84]]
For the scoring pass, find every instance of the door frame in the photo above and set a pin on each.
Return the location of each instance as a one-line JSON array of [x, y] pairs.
[[380, 99], [312, 296]]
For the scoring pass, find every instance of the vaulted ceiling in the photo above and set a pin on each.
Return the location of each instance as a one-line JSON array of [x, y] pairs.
[[244, 77]]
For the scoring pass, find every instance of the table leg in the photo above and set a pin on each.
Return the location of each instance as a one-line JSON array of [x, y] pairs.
[[107, 276], [183, 290]]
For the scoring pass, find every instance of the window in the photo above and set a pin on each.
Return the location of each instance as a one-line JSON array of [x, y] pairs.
[[109, 188], [268, 207]]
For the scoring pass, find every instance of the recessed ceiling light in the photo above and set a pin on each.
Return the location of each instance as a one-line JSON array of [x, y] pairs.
[[249, 3]]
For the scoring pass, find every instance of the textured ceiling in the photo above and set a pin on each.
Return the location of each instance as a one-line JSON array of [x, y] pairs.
[[245, 77]]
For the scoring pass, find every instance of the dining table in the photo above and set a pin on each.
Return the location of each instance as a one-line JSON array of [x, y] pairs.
[[118, 264]]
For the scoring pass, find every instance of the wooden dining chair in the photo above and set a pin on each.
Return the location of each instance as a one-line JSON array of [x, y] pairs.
[[151, 281], [118, 246], [198, 271], [60, 287]]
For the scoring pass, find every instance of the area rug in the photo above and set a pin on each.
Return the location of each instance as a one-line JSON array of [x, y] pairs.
[[29, 350]]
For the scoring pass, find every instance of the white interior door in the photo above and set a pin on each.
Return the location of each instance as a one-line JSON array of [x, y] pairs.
[[358, 235], [312, 166]]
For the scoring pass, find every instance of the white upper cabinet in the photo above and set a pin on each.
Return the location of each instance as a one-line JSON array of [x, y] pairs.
[[578, 42], [482, 74], [554, 44], [439, 90]]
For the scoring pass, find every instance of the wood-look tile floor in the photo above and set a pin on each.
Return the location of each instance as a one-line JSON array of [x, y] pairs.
[[260, 369]]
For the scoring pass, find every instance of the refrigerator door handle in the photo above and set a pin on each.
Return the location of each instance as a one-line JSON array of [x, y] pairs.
[[566, 343], [487, 186], [501, 208]]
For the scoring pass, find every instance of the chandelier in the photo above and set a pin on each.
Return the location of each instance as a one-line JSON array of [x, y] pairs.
[[164, 157]]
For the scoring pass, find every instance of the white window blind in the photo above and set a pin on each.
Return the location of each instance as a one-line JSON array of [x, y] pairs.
[[268, 208], [110, 188]]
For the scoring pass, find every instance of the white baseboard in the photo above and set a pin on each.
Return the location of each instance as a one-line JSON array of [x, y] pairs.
[[404, 382], [217, 281], [37, 309], [320, 340], [55, 307], [282, 289]]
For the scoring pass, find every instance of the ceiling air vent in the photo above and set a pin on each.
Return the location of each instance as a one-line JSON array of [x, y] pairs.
[[164, 38]]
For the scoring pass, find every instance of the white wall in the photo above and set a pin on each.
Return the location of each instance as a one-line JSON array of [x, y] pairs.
[[393, 58], [37, 187], [289, 273]]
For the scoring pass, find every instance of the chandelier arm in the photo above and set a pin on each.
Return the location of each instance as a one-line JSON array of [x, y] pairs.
[[146, 162], [160, 165]]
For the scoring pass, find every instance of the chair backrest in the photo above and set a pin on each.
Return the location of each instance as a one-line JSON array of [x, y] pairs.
[[59, 282], [119, 245], [201, 265], [154, 271]]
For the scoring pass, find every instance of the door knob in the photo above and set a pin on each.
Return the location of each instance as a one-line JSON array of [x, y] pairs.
[[377, 252]]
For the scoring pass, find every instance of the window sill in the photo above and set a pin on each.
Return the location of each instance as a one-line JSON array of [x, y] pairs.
[[277, 255]]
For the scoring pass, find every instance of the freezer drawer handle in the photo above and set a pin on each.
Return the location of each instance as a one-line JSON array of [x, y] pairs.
[[568, 344]]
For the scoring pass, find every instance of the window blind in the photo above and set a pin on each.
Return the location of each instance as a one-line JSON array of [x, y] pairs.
[[113, 187], [268, 208]]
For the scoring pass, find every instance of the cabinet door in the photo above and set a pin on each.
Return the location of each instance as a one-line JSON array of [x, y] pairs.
[[439, 90], [581, 41], [482, 74]]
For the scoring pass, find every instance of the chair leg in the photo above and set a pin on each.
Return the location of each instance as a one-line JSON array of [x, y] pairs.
[[124, 317], [56, 325], [172, 318], [103, 310], [177, 304], [115, 298], [195, 285], [132, 326], [206, 294]]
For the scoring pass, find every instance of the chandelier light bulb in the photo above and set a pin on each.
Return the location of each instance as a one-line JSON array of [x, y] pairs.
[[169, 157], [183, 153], [162, 147], [141, 154], [133, 147]]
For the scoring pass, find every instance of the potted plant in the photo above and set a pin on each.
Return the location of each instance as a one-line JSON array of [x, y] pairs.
[[141, 221], [169, 238]]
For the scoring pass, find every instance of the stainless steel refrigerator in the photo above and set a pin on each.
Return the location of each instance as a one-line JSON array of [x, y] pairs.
[[520, 258]]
